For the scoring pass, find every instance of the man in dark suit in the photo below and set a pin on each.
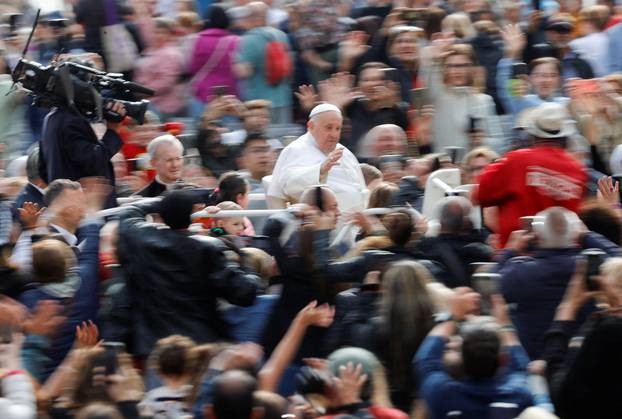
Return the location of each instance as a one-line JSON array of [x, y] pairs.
[[167, 159], [33, 191], [70, 148]]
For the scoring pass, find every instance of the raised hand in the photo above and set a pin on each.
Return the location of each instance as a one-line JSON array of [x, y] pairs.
[[441, 42], [354, 45], [45, 320], [393, 19], [338, 90], [332, 160], [87, 335], [576, 293], [350, 383], [609, 190], [96, 190], [423, 124], [464, 302], [29, 214], [306, 96], [515, 41], [314, 315]]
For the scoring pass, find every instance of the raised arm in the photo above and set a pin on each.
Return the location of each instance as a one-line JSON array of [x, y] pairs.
[[286, 350]]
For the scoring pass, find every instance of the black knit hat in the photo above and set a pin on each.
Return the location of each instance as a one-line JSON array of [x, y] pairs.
[[176, 208]]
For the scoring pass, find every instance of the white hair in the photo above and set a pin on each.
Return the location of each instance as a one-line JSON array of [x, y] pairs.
[[557, 228], [169, 139], [365, 147]]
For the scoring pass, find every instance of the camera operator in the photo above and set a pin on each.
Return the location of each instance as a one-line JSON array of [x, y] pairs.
[[72, 148]]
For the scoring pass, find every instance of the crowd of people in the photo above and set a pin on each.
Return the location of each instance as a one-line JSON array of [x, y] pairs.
[[328, 209]]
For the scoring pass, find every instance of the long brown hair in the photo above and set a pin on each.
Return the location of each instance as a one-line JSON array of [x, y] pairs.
[[406, 310]]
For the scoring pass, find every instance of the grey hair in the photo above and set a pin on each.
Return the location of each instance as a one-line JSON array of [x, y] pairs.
[[32, 164], [448, 217], [56, 188], [364, 149], [557, 228], [154, 144]]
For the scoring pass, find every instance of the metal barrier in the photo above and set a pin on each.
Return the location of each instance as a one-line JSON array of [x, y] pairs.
[[269, 212]]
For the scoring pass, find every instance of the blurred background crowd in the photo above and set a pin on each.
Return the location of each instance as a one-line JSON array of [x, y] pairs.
[[331, 208]]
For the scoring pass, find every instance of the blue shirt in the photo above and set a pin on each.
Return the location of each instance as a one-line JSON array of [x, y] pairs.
[[247, 323], [444, 394], [615, 48]]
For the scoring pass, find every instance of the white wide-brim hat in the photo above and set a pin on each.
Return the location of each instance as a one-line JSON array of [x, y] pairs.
[[550, 120]]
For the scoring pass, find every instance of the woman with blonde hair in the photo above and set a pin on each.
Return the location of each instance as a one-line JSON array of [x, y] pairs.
[[459, 24], [463, 116]]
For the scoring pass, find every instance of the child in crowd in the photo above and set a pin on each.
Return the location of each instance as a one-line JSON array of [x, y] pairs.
[[232, 226], [174, 360]]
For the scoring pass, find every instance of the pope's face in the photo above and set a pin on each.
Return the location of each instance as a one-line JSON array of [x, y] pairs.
[[326, 129]]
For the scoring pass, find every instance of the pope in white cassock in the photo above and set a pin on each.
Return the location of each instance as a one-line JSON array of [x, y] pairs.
[[317, 158]]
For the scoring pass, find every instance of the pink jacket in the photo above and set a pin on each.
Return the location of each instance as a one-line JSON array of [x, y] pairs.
[[161, 70], [222, 72]]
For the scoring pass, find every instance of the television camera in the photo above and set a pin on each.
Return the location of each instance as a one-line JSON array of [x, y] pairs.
[[79, 87]]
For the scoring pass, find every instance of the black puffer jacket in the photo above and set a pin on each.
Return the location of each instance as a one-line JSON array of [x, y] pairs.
[[174, 279]]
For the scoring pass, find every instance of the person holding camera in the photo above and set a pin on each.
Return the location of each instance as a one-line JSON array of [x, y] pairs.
[[583, 370], [515, 79], [536, 283], [72, 148]]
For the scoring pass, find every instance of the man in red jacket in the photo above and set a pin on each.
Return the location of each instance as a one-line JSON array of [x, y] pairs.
[[528, 181]]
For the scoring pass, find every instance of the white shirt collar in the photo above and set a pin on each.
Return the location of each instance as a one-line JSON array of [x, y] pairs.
[[37, 188], [71, 239], [161, 182]]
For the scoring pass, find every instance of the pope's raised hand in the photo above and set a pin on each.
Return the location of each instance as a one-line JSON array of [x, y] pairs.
[[332, 160]]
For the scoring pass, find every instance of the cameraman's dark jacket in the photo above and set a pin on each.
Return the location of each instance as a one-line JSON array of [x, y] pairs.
[[535, 285], [70, 150], [174, 279]]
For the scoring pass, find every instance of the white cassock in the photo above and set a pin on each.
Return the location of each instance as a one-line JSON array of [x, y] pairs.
[[298, 167]]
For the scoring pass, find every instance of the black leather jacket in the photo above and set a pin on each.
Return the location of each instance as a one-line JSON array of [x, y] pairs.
[[174, 279]]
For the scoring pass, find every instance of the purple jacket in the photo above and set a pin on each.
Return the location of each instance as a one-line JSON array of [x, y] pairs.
[[222, 72]]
